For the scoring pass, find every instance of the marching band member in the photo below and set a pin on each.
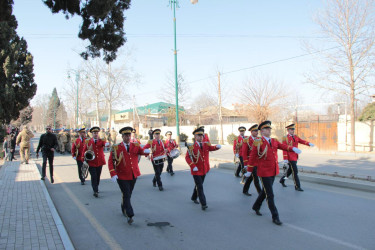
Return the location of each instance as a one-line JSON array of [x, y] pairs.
[[77, 152], [158, 155], [197, 156], [134, 137], [171, 144], [246, 150], [291, 158], [123, 167], [95, 166], [264, 156], [237, 149]]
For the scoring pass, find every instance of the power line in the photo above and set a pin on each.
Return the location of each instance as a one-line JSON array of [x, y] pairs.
[[265, 64]]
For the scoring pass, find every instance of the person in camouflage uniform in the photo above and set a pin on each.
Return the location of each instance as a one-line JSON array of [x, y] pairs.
[[23, 140]]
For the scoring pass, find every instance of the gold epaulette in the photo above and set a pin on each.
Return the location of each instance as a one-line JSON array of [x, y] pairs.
[[136, 144], [257, 141], [275, 139], [115, 146], [284, 138], [87, 141], [149, 142], [246, 140]]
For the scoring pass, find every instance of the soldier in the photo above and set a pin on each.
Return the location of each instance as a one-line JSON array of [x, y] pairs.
[[264, 156], [237, 149], [95, 145], [291, 158], [23, 140], [68, 144], [78, 154], [171, 144], [113, 136], [246, 150], [158, 155], [63, 139], [47, 144], [123, 167], [103, 137], [197, 156]]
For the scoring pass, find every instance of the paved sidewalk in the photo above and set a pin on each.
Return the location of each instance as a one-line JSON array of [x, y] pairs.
[[26, 221]]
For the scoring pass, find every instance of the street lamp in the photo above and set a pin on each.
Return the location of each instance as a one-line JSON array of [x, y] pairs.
[[174, 4]]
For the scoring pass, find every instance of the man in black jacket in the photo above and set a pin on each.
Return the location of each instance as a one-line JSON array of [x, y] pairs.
[[151, 134], [47, 144]]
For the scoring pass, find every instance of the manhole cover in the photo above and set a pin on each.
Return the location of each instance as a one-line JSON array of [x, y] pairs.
[[159, 224]]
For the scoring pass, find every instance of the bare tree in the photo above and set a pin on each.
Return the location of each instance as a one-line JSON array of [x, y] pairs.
[[40, 107], [265, 97], [169, 89], [349, 24]]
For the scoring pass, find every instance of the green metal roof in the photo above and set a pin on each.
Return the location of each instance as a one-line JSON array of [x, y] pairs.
[[154, 108]]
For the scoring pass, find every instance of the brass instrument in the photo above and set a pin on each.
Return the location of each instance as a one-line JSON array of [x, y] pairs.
[[88, 156]]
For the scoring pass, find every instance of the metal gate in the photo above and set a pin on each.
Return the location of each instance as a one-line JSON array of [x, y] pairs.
[[322, 134]]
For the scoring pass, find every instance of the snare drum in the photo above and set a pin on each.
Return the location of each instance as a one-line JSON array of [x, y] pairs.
[[174, 153], [159, 159]]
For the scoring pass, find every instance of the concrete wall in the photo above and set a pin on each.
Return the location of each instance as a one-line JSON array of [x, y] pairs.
[[364, 138]]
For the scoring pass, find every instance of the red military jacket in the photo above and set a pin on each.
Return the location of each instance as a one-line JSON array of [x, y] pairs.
[[246, 150], [293, 142], [77, 148], [135, 140], [124, 164], [157, 149], [206, 138], [237, 145], [98, 149], [264, 156], [197, 157], [171, 144]]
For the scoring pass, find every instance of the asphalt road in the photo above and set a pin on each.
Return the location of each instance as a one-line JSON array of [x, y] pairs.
[[322, 217], [323, 162]]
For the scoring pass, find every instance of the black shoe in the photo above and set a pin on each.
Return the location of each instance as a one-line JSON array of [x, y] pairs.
[[277, 221], [195, 201], [257, 212], [172, 174], [82, 183], [96, 195], [204, 207], [130, 220], [282, 182], [154, 184], [42, 178], [52, 180], [161, 188], [299, 189], [246, 193]]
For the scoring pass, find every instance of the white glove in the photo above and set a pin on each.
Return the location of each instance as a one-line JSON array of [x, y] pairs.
[[146, 151], [311, 144], [286, 161], [297, 150], [237, 155], [106, 144], [218, 146], [114, 178], [195, 169], [247, 174]]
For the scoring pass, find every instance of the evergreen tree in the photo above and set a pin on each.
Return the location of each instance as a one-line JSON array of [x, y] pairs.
[[25, 117], [368, 113], [102, 24], [17, 86], [53, 107]]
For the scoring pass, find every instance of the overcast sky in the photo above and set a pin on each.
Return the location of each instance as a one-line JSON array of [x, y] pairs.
[[229, 35]]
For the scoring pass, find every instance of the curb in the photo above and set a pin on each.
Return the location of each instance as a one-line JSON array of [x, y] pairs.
[[314, 178], [68, 245]]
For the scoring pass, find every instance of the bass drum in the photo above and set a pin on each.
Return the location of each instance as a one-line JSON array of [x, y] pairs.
[[175, 153]]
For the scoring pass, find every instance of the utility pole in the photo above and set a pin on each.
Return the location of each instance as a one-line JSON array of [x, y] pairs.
[[220, 111], [54, 112], [77, 80]]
